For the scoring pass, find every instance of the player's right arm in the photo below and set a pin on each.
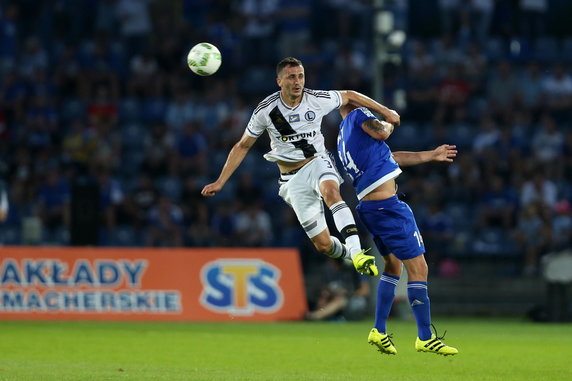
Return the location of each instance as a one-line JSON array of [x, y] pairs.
[[235, 157], [359, 99]]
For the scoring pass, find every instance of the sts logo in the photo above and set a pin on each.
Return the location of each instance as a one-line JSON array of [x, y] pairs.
[[241, 287]]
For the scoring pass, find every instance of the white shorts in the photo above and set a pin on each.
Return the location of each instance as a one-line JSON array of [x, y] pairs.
[[301, 191]]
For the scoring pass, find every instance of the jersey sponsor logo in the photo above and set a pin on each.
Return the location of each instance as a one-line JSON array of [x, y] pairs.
[[303, 135], [241, 287], [310, 115], [294, 118]]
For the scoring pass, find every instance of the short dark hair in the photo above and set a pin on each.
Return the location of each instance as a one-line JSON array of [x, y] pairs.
[[288, 61]]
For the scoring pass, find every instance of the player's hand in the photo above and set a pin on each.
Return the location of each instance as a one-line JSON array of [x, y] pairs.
[[445, 152], [211, 189], [393, 117], [387, 129]]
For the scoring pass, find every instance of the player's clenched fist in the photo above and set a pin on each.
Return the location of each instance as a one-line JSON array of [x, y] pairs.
[[393, 118], [211, 189]]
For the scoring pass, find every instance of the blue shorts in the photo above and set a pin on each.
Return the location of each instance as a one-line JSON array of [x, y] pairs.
[[392, 226]]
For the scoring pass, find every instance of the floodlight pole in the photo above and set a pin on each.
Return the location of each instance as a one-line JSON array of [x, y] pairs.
[[379, 51], [388, 39]]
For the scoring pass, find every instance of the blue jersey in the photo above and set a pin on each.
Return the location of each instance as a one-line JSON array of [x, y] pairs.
[[367, 161]]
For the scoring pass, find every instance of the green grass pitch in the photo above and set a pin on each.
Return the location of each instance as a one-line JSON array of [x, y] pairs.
[[490, 349]]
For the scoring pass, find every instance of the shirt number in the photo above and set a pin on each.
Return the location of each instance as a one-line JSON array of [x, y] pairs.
[[349, 163]]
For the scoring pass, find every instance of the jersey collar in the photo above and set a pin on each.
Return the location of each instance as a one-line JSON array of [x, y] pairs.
[[295, 107]]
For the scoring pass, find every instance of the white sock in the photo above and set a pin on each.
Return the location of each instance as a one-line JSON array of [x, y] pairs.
[[346, 225], [339, 250]]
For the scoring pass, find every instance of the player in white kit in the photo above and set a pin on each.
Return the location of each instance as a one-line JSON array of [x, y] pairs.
[[292, 117]]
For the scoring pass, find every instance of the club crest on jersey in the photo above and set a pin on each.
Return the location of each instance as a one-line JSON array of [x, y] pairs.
[[294, 118], [310, 115]]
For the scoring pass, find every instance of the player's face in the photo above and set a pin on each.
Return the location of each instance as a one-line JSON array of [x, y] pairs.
[[291, 80]]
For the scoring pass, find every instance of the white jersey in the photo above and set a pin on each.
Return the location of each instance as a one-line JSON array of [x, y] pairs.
[[295, 132]]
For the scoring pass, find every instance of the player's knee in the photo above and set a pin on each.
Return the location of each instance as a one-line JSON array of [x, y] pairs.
[[423, 268], [417, 268], [392, 265], [331, 194], [323, 246]]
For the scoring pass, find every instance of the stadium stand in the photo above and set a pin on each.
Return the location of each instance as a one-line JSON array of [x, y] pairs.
[[84, 93]]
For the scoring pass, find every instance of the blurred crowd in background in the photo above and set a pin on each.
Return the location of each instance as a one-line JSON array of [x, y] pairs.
[[99, 90]]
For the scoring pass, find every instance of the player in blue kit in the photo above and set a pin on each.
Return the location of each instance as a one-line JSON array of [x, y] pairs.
[[372, 166]]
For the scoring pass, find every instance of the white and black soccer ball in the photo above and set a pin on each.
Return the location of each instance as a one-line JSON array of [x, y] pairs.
[[204, 59]]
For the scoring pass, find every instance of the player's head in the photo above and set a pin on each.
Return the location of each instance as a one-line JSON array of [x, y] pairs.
[[346, 109], [290, 77], [287, 62]]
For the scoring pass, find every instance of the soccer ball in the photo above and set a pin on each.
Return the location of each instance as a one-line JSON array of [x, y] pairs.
[[204, 59]]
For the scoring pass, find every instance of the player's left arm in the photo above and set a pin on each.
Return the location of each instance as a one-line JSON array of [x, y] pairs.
[[445, 152], [358, 99]]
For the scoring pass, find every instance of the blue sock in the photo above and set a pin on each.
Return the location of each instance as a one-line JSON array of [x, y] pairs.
[[385, 296], [419, 302]]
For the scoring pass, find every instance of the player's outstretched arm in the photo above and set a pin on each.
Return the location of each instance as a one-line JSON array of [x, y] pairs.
[[444, 152], [356, 98], [235, 157]]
